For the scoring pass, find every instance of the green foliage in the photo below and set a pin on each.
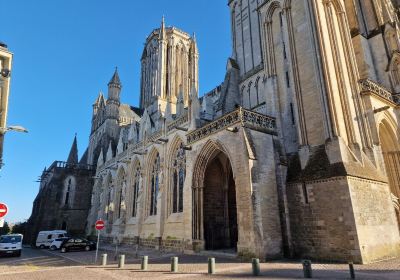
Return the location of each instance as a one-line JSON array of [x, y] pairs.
[[5, 229], [19, 228]]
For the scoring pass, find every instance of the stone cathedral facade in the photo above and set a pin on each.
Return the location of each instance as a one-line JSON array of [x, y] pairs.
[[296, 153]]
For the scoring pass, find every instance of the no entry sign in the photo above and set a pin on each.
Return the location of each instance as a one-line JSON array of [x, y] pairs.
[[3, 210], [99, 225]]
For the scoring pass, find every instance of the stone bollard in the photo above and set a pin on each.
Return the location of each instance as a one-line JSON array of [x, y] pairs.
[[174, 264], [255, 265], [104, 259], [307, 270], [352, 273], [145, 260], [211, 265], [121, 261]]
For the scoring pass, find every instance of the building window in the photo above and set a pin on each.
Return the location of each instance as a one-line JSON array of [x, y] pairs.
[[136, 183], [67, 192], [178, 179], [154, 185], [120, 200], [108, 206]]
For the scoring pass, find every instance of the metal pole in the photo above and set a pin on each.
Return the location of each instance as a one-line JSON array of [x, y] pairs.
[[255, 264], [97, 246], [121, 261], [144, 262], [174, 264], [211, 265], [104, 260], [352, 273], [307, 270]]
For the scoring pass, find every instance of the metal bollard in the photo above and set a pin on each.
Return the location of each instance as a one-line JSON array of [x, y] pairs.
[[211, 265], [352, 273], [104, 259], [174, 264], [255, 265], [307, 270], [121, 261], [145, 260]]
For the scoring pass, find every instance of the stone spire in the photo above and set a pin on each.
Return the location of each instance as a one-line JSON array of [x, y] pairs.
[[162, 28], [113, 100], [115, 81], [73, 153]]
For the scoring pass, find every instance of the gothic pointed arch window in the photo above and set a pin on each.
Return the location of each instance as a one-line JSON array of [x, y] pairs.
[[121, 195], [178, 179], [135, 189], [67, 192], [154, 185]]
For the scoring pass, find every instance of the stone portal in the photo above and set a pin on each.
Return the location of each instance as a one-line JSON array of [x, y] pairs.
[[219, 209]]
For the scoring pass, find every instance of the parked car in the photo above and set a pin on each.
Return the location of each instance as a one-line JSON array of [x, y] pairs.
[[77, 244], [56, 244], [45, 238], [11, 244]]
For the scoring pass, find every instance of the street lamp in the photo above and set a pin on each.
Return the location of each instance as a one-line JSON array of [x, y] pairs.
[[16, 128], [3, 131]]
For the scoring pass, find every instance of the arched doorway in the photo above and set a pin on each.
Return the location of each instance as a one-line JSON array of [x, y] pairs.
[[391, 155], [219, 209]]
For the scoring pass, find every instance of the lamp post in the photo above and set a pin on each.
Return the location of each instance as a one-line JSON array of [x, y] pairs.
[[16, 128], [3, 131]]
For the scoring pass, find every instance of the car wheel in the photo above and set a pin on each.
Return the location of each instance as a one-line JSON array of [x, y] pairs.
[[41, 246], [53, 247], [18, 254], [63, 250], [87, 248]]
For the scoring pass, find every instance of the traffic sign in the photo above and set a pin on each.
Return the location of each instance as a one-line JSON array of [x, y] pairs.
[[99, 225], [3, 210]]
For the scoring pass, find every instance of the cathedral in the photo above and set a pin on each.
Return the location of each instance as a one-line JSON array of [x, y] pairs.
[[295, 154]]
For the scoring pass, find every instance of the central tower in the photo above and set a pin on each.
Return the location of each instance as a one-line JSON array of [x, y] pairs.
[[169, 69]]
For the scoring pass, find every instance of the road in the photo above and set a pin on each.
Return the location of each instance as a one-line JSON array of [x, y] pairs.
[[36, 264]]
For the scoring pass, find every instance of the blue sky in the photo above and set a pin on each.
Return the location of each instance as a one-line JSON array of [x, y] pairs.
[[65, 52]]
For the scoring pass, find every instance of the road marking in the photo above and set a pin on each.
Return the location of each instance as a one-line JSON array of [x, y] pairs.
[[68, 258], [40, 270]]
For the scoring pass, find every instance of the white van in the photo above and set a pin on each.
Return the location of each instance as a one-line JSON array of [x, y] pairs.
[[11, 244], [45, 238]]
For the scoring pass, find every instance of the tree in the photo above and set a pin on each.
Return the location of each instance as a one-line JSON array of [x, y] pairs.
[[5, 229], [19, 228]]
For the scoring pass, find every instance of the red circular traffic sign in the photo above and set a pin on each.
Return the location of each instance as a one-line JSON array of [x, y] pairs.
[[3, 210], [99, 225]]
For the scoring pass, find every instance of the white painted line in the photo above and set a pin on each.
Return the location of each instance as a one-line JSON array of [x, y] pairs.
[[68, 258], [40, 270]]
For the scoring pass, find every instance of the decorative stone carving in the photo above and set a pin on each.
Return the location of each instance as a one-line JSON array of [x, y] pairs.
[[242, 116]]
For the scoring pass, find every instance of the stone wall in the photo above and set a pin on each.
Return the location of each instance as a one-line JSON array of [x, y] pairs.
[[342, 219]]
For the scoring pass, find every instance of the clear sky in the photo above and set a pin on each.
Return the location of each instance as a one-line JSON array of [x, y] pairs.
[[65, 52]]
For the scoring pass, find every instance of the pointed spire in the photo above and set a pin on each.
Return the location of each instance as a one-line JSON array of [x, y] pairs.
[[73, 153], [180, 104], [115, 81], [162, 28], [99, 98]]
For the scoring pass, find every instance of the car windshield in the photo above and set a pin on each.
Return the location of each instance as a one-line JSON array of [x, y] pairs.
[[10, 239]]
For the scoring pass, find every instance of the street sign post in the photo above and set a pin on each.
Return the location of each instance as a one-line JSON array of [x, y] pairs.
[[3, 213], [99, 225]]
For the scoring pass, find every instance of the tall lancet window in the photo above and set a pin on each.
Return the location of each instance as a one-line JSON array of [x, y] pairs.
[[154, 185], [135, 190], [178, 179], [121, 196], [67, 192]]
